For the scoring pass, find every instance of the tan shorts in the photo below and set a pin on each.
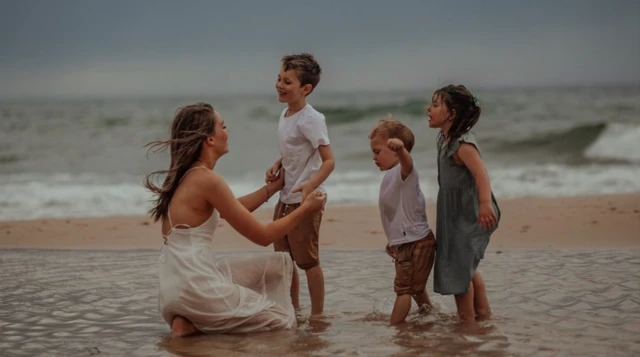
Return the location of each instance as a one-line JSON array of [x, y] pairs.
[[302, 241], [413, 265]]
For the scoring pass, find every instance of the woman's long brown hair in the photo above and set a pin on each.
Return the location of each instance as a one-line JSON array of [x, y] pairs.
[[190, 128]]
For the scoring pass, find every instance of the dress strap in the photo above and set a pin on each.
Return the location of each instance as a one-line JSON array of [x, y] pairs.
[[193, 168], [169, 217]]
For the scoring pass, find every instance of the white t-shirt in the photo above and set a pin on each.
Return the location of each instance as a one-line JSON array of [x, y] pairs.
[[402, 207], [299, 136]]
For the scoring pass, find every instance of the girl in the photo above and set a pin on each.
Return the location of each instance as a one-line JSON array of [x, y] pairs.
[[467, 211]]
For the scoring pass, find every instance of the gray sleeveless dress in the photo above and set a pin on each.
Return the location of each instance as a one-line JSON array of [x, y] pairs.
[[460, 240]]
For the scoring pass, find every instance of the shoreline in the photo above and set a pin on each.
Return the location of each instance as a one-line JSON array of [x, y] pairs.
[[579, 222]]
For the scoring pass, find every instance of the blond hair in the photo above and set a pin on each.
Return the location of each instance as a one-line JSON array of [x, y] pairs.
[[391, 128]]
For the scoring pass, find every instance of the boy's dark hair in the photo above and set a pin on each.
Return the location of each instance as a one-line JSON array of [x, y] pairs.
[[391, 128], [467, 111], [305, 66]]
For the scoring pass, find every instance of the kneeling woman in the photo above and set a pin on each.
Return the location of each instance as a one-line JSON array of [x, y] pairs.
[[198, 291]]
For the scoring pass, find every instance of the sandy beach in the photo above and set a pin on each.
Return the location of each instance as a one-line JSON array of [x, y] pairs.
[[604, 221]]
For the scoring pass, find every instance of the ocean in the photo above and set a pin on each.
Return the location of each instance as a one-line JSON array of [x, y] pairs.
[[76, 158]]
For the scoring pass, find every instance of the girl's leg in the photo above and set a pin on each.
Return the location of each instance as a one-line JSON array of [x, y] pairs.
[[480, 300], [464, 303]]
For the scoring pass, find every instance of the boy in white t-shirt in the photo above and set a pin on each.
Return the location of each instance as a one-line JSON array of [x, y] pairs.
[[307, 160], [403, 213]]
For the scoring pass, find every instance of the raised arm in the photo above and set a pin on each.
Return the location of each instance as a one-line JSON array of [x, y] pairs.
[[406, 161], [219, 195]]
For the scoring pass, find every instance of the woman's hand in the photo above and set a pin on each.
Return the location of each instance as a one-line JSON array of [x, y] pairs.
[[272, 173], [278, 182], [304, 189], [314, 201]]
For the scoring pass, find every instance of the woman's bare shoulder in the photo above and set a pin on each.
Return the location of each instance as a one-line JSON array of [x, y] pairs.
[[209, 185], [202, 176]]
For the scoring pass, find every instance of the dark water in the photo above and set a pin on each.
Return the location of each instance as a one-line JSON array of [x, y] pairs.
[[546, 303]]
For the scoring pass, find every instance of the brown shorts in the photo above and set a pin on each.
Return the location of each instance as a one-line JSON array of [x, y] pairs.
[[414, 261], [302, 241]]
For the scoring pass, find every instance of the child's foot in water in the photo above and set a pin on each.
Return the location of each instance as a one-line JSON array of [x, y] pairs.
[[299, 318], [425, 309]]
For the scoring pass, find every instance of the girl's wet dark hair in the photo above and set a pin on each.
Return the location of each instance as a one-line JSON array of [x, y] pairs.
[[463, 105], [190, 128]]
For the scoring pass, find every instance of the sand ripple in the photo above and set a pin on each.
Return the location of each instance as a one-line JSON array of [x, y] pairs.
[[546, 303]]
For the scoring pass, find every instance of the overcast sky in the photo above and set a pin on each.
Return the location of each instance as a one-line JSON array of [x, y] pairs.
[[64, 48]]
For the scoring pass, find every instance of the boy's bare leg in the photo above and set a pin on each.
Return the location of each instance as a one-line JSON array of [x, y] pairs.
[[480, 300], [315, 280], [295, 289], [466, 311], [400, 309]]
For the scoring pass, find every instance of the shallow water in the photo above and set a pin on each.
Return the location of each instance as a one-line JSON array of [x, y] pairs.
[[545, 303]]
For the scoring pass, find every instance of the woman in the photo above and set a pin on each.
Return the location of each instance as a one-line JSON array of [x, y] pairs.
[[199, 292]]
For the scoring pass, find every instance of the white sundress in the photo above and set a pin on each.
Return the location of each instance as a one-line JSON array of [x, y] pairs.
[[235, 294]]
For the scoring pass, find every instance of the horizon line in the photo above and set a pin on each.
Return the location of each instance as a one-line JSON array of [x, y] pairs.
[[497, 88]]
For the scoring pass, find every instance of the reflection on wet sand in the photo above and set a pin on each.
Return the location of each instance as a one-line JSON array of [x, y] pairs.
[[560, 303]]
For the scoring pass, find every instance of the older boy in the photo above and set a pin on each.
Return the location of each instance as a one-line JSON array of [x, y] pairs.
[[307, 160]]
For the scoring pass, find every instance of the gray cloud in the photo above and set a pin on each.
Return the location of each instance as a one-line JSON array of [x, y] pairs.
[[96, 48]]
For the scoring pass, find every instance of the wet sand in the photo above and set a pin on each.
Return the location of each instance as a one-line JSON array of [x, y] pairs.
[[546, 303], [562, 275], [608, 221]]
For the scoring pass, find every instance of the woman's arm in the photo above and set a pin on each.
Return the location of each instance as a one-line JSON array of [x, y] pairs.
[[254, 200], [219, 195]]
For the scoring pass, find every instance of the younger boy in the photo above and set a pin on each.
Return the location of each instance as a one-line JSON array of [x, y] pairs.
[[403, 214], [307, 160]]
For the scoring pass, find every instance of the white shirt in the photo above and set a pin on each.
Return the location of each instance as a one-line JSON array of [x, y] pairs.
[[299, 136], [402, 207]]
